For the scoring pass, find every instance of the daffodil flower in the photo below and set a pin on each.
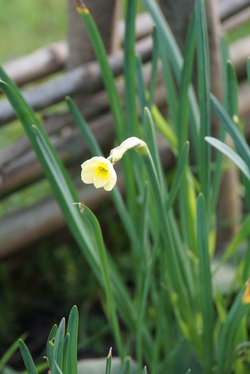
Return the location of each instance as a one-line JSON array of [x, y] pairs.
[[100, 172]]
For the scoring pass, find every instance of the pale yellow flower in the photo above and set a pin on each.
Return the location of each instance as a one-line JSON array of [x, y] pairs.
[[100, 172]]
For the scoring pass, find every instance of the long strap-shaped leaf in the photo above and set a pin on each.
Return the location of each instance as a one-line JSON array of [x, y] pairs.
[[229, 152], [28, 361], [233, 131], [172, 49], [72, 331], [227, 341], [206, 299], [204, 90]]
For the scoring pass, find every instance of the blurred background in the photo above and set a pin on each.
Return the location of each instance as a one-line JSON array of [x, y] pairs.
[[42, 272]]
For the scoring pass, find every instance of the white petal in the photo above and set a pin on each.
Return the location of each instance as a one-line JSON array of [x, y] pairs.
[[111, 183], [87, 176], [92, 163], [99, 182]]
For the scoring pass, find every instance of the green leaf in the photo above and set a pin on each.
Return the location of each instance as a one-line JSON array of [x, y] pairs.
[[206, 298], [204, 91], [126, 366], [150, 138], [238, 238], [229, 152], [232, 91], [178, 176], [55, 369], [10, 352], [141, 86], [72, 330], [233, 131], [130, 68], [170, 87], [50, 341], [164, 128], [28, 361], [186, 75], [248, 69], [108, 362], [58, 343], [227, 342], [107, 74], [66, 369], [169, 44], [105, 272], [155, 55]]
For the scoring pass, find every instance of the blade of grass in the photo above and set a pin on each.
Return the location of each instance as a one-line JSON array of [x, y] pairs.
[[72, 330], [230, 153], [108, 362], [229, 331], [126, 367], [141, 269], [186, 75], [169, 43], [58, 343], [150, 137], [171, 93], [206, 298], [50, 352], [175, 268], [105, 269], [155, 55], [50, 340], [219, 158], [130, 68], [233, 131], [66, 369], [10, 352], [232, 92], [28, 360], [224, 59], [182, 131], [248, 69], [204, 91], [183, 159], [107, 74], [242, 234], [140, 86], [164, 128]]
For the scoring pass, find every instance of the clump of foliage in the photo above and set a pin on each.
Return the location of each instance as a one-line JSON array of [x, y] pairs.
[[174, 318]]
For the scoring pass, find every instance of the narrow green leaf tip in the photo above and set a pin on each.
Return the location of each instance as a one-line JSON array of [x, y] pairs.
[[81, 7]]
